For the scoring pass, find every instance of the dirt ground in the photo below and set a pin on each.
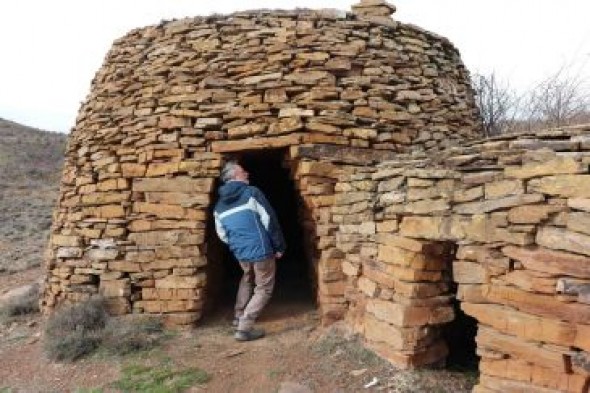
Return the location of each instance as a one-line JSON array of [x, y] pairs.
[[296, 356]]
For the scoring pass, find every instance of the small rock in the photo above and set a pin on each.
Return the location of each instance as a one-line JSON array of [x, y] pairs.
[[373, 382], [356, 373]]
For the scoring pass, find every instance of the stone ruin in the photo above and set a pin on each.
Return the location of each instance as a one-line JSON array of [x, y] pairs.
[[405, 218]]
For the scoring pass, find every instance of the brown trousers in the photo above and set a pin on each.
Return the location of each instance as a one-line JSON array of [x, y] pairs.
[[248, 305]]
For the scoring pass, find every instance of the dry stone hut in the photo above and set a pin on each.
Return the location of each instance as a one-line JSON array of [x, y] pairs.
[[362, 131]]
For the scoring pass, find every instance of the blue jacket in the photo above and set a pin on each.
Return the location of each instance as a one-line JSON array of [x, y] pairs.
[[246, 222]]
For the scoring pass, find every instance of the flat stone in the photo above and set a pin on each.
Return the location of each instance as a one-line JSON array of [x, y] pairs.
[[469, 273], [570, 186], [558, 165], [252, 80], [579, 222], [563, 239], [97, 254], [502, 188], [550, 261], [496, 204], [422, 227], [579, 204], [531, 214], [180, 282], [530, 327], [176, 184]]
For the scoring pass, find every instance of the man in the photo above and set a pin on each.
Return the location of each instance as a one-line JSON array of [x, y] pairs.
[[246, 222]]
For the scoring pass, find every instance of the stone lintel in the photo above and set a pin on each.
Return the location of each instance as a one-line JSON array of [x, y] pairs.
[[342, 154]]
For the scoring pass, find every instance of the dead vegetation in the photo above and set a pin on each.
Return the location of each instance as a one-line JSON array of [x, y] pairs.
[[23, 304], [78, 330]]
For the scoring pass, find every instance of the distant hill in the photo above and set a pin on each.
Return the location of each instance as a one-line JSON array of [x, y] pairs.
[[29, 155], [30, 170]]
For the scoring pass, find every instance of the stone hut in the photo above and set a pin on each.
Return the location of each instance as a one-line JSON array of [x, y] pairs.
[[364, 134]]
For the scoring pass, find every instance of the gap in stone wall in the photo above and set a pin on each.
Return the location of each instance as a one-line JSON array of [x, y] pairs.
[[294, 293], [460, 333]]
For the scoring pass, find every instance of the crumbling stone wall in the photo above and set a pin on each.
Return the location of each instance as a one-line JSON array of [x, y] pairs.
[[507, 220]]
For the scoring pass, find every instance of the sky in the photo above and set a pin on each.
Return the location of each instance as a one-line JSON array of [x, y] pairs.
[[50, 50]]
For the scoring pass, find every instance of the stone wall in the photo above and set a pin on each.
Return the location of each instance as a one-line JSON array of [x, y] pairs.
[[507, 219], [374, 119], [172, 100]]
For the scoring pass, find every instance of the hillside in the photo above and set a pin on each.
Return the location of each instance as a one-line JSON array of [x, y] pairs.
[[30, 168]]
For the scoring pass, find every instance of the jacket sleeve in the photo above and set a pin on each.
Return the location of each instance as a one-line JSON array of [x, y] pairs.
[[220, 229], [269, 220]]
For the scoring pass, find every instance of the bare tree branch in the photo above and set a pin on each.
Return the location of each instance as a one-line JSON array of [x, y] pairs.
[[497, 102], [559, 99]]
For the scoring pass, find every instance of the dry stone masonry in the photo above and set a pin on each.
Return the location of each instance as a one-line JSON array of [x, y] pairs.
[[507, 220], [400, 203]]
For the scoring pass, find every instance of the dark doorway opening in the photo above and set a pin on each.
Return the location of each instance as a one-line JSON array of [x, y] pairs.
[[293, 293], [460, 338], [460, 333]]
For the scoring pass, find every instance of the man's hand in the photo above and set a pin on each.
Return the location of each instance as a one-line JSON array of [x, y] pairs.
[[278, 255]]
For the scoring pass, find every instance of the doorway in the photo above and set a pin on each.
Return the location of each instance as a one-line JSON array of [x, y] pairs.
[[293, 294]]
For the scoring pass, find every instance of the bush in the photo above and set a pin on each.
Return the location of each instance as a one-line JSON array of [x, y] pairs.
[[86, 316], [75, 331], [72, 346], [124, 336], [27, 303]]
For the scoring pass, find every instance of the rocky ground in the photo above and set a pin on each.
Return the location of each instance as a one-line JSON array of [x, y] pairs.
[[296, 356]]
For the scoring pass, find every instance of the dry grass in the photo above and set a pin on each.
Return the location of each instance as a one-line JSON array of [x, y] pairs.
[[30, 168], [75, 331], [27, 303], [79, 330]]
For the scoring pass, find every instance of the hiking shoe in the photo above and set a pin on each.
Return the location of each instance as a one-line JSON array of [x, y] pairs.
[[249, 335]]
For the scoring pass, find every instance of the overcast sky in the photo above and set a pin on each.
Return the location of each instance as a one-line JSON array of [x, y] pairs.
[[50, 50]]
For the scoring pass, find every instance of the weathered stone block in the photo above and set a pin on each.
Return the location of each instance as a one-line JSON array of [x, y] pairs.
[[115, 288], [407, 316], [562, 239], [579, 204], [66, 240], [469, 273], [550, 261], [503, 188], [531, 214], [570, 186], [177, 184], [422, 227], [97, 254], [180, 282], [367, 286], [579, 222], [496, 204], [558, 165]]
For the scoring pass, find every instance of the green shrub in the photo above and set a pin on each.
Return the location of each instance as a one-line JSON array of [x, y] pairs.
[[159, 379]]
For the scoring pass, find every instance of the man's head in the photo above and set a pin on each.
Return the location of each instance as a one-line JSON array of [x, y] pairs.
[[232, 171]]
